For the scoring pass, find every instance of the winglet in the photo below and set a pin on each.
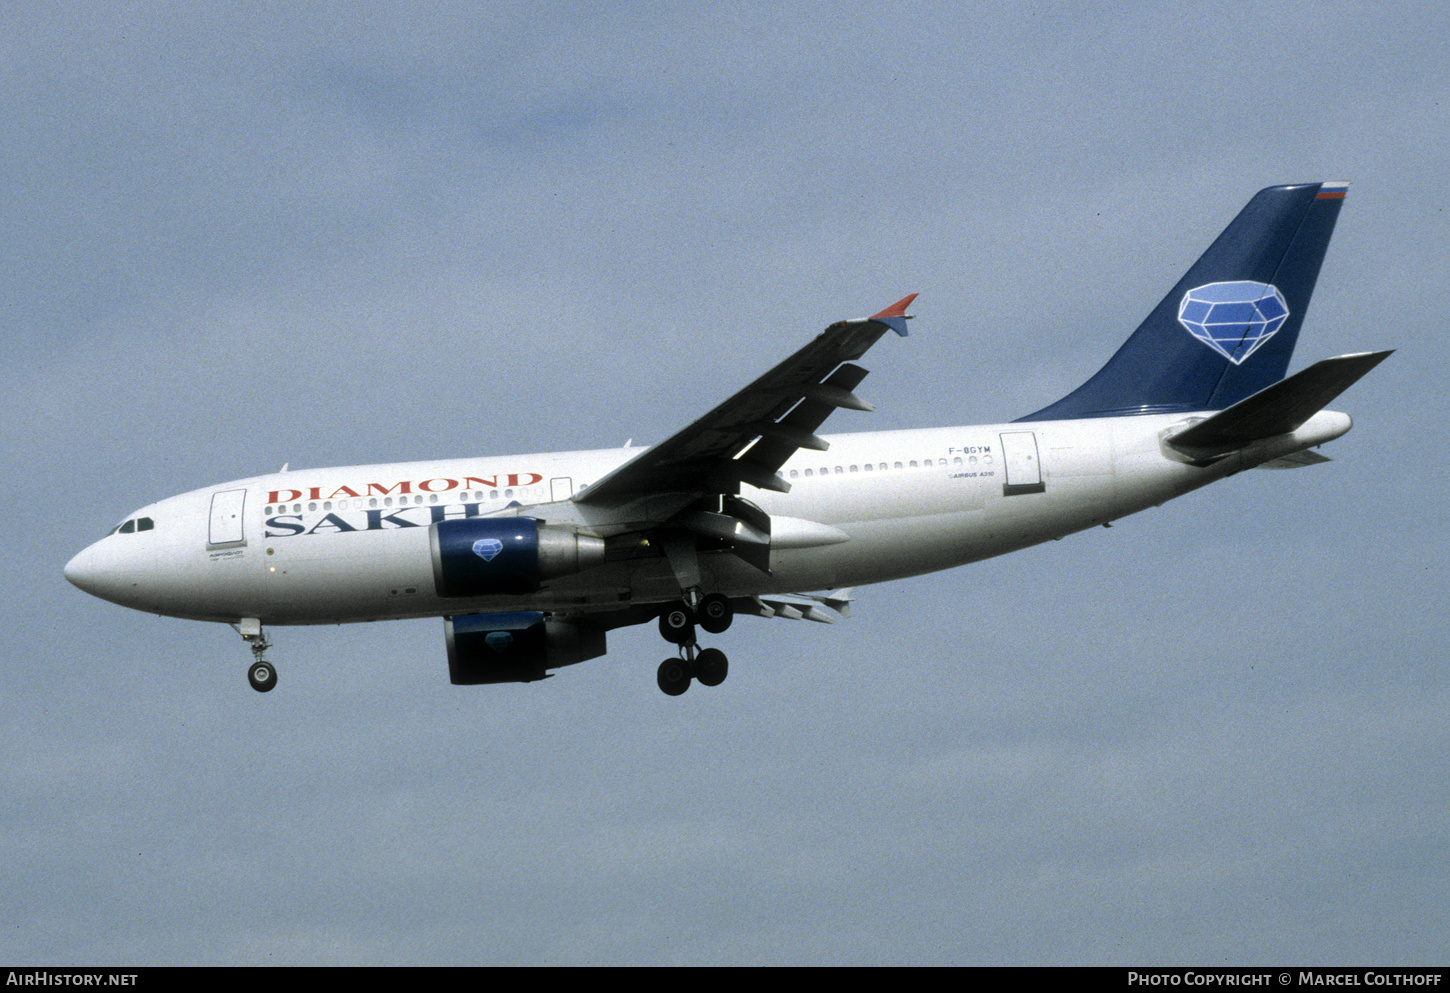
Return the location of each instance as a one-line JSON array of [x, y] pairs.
[[895, 316], [897, 309]]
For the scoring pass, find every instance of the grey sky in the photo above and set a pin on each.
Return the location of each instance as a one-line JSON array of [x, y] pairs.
[[237, 236]]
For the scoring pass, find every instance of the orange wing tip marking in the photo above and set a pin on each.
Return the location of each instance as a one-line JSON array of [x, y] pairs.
[[897, 309]]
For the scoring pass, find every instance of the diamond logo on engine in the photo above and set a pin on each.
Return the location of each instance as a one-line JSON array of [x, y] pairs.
[[498, 640], [1233, 318], [487, 548]]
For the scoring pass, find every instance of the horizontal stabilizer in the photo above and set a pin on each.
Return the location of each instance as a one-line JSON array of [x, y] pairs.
[[1298, 460], [1281, 408]]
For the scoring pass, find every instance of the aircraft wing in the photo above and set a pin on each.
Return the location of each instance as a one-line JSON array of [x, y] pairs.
[[750, 436]]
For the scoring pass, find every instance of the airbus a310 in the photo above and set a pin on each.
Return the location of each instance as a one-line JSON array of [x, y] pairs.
[[532, 559]]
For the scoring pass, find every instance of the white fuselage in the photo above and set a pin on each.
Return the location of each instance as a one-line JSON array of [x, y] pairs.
[[349, 544]]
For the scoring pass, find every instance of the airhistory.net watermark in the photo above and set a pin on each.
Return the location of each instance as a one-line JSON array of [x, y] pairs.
[[45, 977]]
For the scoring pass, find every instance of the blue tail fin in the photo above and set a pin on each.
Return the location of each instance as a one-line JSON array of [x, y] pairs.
[[1228, 328]]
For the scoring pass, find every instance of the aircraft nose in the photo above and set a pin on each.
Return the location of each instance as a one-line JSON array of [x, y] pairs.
[[100, 571], [79, 570]]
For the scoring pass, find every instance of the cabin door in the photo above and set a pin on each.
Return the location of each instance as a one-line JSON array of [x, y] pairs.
[[226, 518]]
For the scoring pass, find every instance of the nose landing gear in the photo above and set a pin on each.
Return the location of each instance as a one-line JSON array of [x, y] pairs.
[[261, 674]]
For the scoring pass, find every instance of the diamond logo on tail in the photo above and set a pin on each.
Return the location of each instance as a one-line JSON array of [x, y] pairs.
[[1233, 318]]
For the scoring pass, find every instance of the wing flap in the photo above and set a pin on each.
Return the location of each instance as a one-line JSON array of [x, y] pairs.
[[822, 608]]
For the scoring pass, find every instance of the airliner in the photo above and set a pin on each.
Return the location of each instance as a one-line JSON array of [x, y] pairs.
[[530, 560]]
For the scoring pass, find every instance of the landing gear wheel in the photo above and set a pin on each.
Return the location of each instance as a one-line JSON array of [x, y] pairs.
[[673, 677], [716, 613], [677, 624], [262, 676], [711, 667]]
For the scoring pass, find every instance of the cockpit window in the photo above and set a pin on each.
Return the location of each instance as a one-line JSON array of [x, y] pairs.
[[133, 525], [128, 527]]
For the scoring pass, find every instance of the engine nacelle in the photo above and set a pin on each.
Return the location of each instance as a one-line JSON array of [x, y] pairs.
[[515, 648], [479, 556]]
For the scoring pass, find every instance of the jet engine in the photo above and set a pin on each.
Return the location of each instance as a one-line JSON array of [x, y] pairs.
[[480, 556], [515, 648]]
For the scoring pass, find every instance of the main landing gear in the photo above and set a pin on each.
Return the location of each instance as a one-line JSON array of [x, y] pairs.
[[261, 674], [677, 624]]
